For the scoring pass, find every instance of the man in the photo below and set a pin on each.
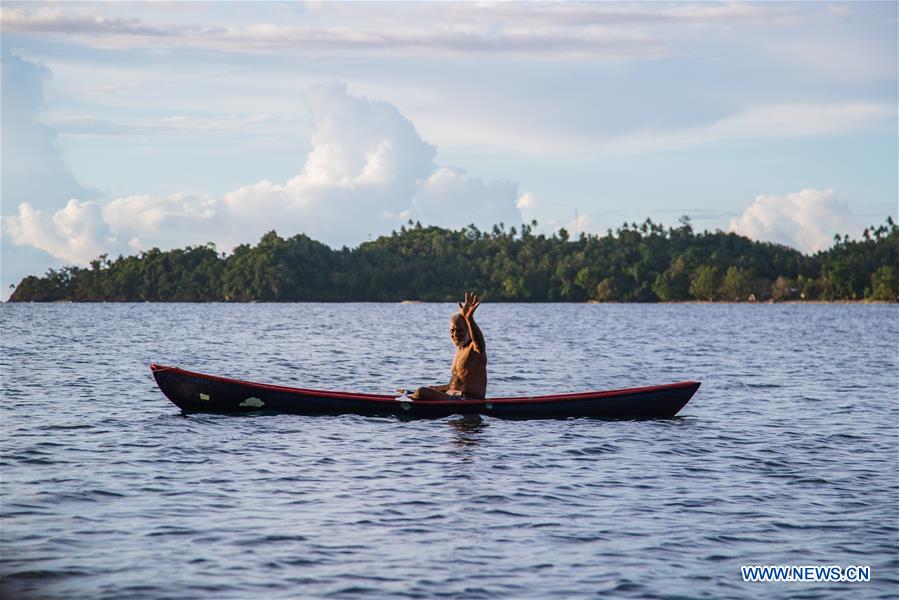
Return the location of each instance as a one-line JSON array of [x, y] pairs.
[[469, 376]]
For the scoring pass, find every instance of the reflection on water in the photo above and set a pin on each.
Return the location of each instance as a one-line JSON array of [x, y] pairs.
[[467, 430]]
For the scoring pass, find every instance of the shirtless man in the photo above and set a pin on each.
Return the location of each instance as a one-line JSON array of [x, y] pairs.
[[469, 376]]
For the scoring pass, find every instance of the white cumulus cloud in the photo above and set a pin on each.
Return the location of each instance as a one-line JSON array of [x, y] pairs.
[[526, 201], [368, 171], [366, 163], [806, 220], [76, 233], [176, 220], [32, 169], [452, 198]]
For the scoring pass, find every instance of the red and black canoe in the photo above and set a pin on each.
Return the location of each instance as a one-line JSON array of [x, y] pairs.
[[196, 392]]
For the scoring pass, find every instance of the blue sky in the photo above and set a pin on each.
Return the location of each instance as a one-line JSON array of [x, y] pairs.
[[132, 125]]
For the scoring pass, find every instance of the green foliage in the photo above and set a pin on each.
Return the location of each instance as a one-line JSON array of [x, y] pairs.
[[635, 263], [674, 283], [885, 284], [607, 290], [704, 285], [738, 284], [785, 288]]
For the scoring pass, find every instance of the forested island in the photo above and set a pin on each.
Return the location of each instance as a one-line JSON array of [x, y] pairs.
[[635, 263]]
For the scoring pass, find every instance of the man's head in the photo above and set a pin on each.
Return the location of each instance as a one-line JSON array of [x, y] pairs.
[[459, 331]]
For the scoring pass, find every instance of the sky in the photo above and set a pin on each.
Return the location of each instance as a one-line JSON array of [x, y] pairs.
[[132, 125]]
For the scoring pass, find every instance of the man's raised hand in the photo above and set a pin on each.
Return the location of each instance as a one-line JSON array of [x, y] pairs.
[[472, 302]]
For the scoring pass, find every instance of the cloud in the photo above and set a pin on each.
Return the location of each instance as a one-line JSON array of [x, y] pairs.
[[32, 169], [449, 27], [453, 199], [365, 166], [580, 224], [171, 125], [442, 32], [806, 220], [526, 201], [143, 221], [594, 13], [368, 171], [550, 30], [75, 233], [468, 128], [839, 10], [53, 20], [778, 121]]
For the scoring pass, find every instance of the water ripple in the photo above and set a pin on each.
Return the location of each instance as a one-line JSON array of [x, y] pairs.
[[786, 455]]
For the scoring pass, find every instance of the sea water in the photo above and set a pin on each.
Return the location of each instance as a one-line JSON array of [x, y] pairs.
[[787, 455]]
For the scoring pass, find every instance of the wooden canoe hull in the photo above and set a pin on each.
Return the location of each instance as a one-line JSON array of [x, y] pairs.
[[197, 392]]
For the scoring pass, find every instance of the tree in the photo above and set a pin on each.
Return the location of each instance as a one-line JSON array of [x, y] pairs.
[[738, 284], [674, 284], [704, 285], [784, 288], [607, 290], [885, 284], [635, 263]]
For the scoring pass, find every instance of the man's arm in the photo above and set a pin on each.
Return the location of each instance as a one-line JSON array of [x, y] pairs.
[[467, 310], [476, 336]]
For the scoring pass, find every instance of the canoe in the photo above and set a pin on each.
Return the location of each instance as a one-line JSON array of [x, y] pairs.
[[197, 392]]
